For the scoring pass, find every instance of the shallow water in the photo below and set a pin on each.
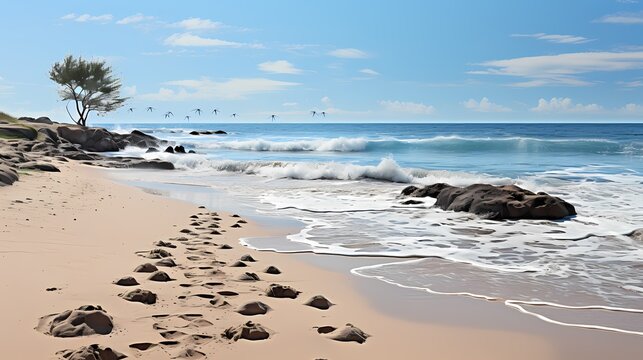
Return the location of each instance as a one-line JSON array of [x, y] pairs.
[[342, 182]]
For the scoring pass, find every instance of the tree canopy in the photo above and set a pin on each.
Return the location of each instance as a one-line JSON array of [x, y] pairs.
[[90, 84]]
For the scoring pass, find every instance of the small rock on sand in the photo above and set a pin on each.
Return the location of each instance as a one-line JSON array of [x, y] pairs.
[[160, 276], [140, 295], [158, 254], [249, 276], [282, 291], [126, 281], [248, 331], [167, 244], [247, 258], [86, 320], [91, 352], [319, 302], [225, 247], [253, 308], [350, 333], [167, 262], [146, 268], [239, 264], [272, 270]]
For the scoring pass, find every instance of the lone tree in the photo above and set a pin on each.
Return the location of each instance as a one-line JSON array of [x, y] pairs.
[[90, 84]]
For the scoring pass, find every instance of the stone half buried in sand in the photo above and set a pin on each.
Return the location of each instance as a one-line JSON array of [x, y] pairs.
[[272, 270], [253, 308], [319, 302], [91, 352], [160, 276], [158, 254], [249, 276], [126, 281], [86, 320], [282, 291], [248, 331], [167, 262], [495, 202], [146, 268], [140, 295], [349, 333]]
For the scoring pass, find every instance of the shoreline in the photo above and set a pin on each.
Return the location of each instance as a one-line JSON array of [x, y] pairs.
[[83, 231]]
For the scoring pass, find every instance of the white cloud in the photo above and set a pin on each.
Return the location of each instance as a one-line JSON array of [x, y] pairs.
[[129, 90], [622, 18], [88, 17], [348, 53], [562, 69], [289, 104], [191, 40], [325, 100], [484, 105], [369, 72], [206, 89], [631, 84], [279, 67], [632, 109], [198, 24], [564, 105], [559, 39], [134, 19], [407, 107]]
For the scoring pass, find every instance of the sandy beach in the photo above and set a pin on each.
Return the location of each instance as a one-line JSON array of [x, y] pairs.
[[67, 237]]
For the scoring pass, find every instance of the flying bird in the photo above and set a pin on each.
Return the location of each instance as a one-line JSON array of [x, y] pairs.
[[234, 115], [130, 109], [187, 117], [313, 113], [168, 114], [197, 111], [273, 117], [323, 113], [215, 111], [150, 109]]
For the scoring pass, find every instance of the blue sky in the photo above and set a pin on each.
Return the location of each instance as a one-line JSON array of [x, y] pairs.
[[433, 61]]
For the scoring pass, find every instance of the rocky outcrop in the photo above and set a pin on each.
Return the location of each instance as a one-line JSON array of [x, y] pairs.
[[248, 331], [7, 175], [91, 352], [90, 139], [208, 132], [495, 202], [11, 131], [86, 320]]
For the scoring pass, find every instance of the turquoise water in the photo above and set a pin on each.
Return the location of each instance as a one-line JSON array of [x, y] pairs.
[[342, 182]]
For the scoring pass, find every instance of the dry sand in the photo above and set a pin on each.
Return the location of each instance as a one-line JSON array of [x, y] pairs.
[[79, 233]]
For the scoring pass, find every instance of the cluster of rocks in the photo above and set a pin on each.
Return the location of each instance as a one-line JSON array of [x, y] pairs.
[[208, 132], [36, 144], [495, 202]]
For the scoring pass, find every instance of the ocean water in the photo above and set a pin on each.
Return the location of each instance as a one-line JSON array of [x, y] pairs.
[[342, 182]]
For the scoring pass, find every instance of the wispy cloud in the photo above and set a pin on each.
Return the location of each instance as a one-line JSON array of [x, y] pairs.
[[369, 72], [407, 107], [88, 18], [198, 24], [632, 109], [134, 19], [554, 38], [206, 89], [564, 105], [349, 53], [625, 18], [484, 105], [562, 69], [191, 40], [631, 84], [279, 67]]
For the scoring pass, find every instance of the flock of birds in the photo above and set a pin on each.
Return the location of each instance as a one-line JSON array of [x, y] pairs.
[[215, 111]]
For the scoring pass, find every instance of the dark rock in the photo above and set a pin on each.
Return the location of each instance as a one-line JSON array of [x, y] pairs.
[[86, 320], [249, 276], [430, 190], [195, 133], [282, 291], [319, 302], [412, 202], [7, 175], [191, 152], [160, 276], [152, 150], [325, 329], [136, 138], [247, 258], [158, 254], [49, 135], [253, 308], [179, 149], [496, 202], [248, 331], [126, 281], [90, 139], [146, 268], [151, 164], [239, 264], [140, 295], [79, 155], [91, 352], [220, 132], [351, 333], [167, 244], [39, 166], [169, 149], [636, 234], [17, 132], [167, 262], [43, 147], [272, 270]]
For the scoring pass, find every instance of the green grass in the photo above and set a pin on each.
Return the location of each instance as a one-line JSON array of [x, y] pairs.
[[7, 117]]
